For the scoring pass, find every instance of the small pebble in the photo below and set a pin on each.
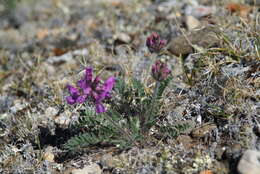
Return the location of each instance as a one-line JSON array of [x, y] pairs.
[[192, 22], [63, 120], [249, 162], [48, 155], [123, 37], [199, 11], [90, 169], [50, 112]]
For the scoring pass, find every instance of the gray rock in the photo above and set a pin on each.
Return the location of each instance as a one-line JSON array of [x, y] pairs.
[[166, 6], [205, 38], [50, 112], [68, 57], [90, 169], [63, 120], [249, 162], [199, 11], [123, 37], [192, 22]]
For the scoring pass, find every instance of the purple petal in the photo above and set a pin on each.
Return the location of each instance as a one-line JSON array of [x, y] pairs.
[[81, 83], [81, 99], [106, 88], [88, 74], [100, 97], [163, 42], [109, 84], [107, 95], [160, 71], [155, 43], [97, 80], [70, 100], [100, 108], [87, 90], [94, 95], [72, 90]]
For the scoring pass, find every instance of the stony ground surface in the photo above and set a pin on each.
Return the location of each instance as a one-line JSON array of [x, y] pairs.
[[213, 50]]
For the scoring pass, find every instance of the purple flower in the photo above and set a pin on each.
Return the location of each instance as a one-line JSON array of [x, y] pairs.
[[100, 108], [91, 88], [106, 88], [160, 71], [155, 43], [75, 96]]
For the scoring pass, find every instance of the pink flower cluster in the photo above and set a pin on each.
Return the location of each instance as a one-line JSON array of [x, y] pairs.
[[91, 88], [154, 43], [160, 71]]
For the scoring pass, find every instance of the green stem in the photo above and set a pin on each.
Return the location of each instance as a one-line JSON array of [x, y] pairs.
[[117, 126], [148, 115], [155, 92]]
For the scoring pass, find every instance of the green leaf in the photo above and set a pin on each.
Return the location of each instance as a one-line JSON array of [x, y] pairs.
[[162, 87], [174, 130], [120, 86], [138, 87]]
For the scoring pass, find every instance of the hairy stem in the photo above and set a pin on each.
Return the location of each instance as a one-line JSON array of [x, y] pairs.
[[122, 131], [149, 115]]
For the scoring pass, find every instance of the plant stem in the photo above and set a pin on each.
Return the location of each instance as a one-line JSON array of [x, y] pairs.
[[108, 114], [148, 115], [155, 92]]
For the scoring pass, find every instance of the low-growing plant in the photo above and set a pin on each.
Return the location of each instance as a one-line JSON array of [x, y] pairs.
[[125, 110], [9, 4]]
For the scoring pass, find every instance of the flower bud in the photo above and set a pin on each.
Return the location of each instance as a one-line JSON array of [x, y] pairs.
[[160, 71], [155, 43]]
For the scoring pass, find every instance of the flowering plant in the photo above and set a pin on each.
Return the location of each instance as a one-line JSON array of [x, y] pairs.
[[133, 109], [92, 88]]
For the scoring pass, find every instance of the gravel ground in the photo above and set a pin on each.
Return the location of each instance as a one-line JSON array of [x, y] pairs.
[[213, 50]]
